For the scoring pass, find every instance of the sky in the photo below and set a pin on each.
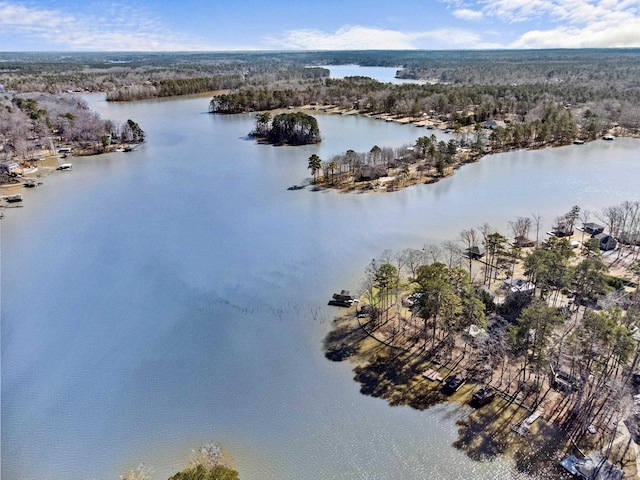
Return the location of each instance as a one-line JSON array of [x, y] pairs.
[[232, 25]]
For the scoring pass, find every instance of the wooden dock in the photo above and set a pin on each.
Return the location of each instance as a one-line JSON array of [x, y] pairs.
[[432, 375], [523, 428]]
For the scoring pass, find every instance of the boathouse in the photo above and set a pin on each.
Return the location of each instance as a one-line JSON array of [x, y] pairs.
[[592, 228]]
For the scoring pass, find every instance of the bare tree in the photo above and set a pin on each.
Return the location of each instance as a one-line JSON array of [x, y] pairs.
[[452, 253], [612, 218], [537, 220], [141, 472], [412, 259], [584, 219], [520, 227], [431, 254], [208, 455], [470, 240]]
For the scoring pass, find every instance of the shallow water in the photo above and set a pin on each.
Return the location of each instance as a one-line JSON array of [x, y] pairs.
[[158, 299]]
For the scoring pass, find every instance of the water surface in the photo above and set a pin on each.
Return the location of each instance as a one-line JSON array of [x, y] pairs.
[[382, 74], [155, 300]]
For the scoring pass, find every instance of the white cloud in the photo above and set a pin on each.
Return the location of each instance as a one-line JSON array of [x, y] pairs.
[[570, 23], [516, 10], [346, 38], [366, 38], [121, 29], [558, 11], [622, 35], [466, 14], [583, 24]]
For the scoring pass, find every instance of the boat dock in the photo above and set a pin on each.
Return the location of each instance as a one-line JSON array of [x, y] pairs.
[[523, 428], [432, 375]]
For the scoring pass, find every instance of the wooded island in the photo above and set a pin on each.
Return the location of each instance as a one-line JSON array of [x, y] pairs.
[[286, 129]]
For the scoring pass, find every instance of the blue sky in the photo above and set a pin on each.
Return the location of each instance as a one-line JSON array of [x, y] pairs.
[[216, 25]]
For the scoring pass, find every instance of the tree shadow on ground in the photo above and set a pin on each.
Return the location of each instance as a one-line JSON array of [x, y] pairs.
[[396, 378], [486, 434], [538, 452], [344, 340]]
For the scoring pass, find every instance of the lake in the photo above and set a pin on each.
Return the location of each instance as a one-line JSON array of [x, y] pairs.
[[382, 74], [159, 299]]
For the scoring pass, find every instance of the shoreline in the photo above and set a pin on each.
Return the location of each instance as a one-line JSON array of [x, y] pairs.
[[396, 181], [484, 434], [504, 427], [46, 164], [392, 361]]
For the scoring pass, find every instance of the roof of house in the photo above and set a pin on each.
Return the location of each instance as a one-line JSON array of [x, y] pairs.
[[523, 241], [519, 285], [592, 226], [601, 237]]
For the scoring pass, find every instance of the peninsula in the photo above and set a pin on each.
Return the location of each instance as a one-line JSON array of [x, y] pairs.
[[545, 333]]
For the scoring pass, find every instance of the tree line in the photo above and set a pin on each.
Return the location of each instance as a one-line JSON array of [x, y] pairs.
[[598, 87], [574, 110]]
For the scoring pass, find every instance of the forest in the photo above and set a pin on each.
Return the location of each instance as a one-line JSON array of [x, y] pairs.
[[33, 123], [598, 87], [296, 128]]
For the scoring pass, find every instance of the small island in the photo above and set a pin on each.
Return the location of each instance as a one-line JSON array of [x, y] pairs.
[[296, 128], [208, 462]]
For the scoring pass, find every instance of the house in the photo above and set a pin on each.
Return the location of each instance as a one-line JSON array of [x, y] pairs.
[[562, 230], [10, 167], [593, 467], [493, 124], [607, 242], [475, 252], [368, 173], [519, 285], [524, 242], [592, 228]]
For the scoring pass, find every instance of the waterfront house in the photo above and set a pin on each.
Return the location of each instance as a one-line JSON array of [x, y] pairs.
[[607, 242], [592, 228], [368, 173], [493, 124], [10, 167], [524, 242], [475, 252]]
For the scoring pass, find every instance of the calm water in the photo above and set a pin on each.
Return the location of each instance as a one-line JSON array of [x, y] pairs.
[[382, 74], [155, 300]]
